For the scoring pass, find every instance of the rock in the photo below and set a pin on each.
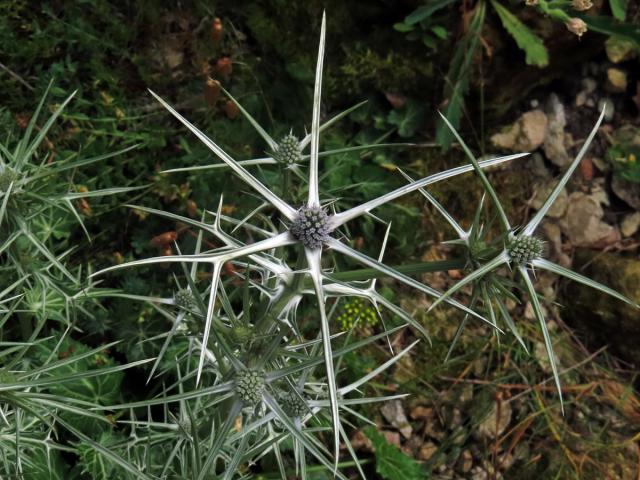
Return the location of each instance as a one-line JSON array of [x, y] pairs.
[[465, 461], [393, 412], [605, 319], [630, 224], [619, 49], [494, 425], [616, 80], [559, 207], [583, 221], [627, 191], [599, 192], [456, 419], [526, 134], [466, 395], [587, 170], [541, 355], [421, 413], [589, 85], [433, 430], [427, 451], [360, 441], [554, 235], [538, 167], [392, 437], [554, 140]]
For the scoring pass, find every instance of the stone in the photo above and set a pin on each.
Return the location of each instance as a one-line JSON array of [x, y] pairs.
[[465, 461], [616, 80], [589, 85], [526, 134], [630, 224], [604, 319], [360, 441], [553, 234], [494, 423], [555, 140], [559, 207], [393, 412], [541, 355], [427, 451], [392, 437], [583, 221], [421, 413], [627, 191], [618, 49]]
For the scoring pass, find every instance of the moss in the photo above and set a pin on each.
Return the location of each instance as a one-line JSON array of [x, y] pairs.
[[365, 68], [604, 319]]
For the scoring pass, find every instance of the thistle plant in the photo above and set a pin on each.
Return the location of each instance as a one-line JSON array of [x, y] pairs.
[[517, 248], [309, 230], [37, 204]]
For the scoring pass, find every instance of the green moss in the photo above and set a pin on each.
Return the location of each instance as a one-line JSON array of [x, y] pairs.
[[365, 68], [604, 319]]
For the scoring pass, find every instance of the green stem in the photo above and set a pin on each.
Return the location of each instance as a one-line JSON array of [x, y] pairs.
[[411, 269]]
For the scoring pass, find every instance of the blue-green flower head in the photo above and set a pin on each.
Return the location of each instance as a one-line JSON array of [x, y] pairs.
[[293, 404], [250, 386], [185, 299], [311, 227], [524, 248], [289, 151]]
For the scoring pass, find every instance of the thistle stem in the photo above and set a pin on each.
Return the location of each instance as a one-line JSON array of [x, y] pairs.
[[410, 269]]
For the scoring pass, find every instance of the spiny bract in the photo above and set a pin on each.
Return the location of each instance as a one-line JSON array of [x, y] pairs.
[[525, 248], [288, 151], [250, 385], [311, 227]]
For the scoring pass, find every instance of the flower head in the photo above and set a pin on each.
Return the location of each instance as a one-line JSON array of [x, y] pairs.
[[524, 248], [249, 386], [293, 404], [581, 5], [288, 151], [577, 26], [184, 298], [311, 227]]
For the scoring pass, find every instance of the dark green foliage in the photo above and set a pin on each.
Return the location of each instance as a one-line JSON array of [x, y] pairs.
[[391, 462]]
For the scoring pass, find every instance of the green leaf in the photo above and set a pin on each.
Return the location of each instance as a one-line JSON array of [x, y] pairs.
[[619, 8], [426, 11], [610, 26], [457, 80], [391, 462], [408, 119], [536, 52]]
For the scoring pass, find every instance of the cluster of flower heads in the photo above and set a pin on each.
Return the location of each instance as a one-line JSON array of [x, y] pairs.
[[355, 311]]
